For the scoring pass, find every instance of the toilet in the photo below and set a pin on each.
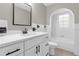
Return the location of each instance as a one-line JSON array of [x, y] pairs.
[[52, 46]]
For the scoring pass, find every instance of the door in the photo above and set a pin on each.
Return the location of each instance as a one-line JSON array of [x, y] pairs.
[[44, 49]]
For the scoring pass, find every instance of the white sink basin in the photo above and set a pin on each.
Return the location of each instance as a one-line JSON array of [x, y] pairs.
[[30, 34]]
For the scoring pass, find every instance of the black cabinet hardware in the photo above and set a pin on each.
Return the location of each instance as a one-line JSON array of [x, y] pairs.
[[39, 48], [36, 50], [12, 52]]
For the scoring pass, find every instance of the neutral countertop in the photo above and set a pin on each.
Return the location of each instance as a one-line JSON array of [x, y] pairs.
[[13, 38]]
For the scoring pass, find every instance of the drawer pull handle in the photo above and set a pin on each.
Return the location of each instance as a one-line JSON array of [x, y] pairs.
[[39, 48], [36, 50], [12, 52]]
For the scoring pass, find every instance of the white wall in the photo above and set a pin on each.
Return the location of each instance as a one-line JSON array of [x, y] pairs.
[[6, 12], [39, 13], [76, 49]]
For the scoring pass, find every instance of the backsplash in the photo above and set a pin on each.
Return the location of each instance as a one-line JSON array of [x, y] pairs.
[[38, 27]]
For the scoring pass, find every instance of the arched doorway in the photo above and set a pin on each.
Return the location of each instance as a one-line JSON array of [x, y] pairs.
[[62, 28]]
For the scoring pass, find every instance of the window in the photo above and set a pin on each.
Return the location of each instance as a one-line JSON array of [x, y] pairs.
[[64, 20]]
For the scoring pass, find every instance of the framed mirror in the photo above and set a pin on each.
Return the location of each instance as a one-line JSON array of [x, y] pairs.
[[22, 14]]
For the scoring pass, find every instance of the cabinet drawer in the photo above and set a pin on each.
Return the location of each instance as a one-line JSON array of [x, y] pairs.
[[34, 41], [12, 50]]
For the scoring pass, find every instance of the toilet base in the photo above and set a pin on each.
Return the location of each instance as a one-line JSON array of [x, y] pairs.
[[52, 47]]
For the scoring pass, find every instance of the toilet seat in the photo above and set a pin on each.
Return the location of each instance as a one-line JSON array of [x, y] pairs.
[[53, 44]]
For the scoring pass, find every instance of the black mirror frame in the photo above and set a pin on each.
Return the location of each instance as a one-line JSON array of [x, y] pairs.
[[30, 16]]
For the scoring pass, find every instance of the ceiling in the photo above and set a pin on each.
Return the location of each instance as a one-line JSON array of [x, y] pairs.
[[47, 4]]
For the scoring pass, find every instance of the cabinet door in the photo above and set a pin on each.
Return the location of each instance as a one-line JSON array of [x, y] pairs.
[[44, 49], [31, 52]]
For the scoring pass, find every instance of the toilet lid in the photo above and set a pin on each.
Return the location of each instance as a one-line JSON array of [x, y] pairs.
[[53, 43]]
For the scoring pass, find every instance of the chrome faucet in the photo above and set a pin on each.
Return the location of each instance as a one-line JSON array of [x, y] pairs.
[[25, 31]]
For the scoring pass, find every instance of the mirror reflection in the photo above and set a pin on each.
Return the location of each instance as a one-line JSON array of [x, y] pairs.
[[21, 14]]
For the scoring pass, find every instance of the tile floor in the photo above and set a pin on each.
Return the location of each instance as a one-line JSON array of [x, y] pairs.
[[62, 52]]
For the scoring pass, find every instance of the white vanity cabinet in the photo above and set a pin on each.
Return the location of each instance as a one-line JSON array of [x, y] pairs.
[[37, 46], [33, 45], [12, 50]]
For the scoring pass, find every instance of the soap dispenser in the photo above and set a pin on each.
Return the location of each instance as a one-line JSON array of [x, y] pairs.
[[33, 29]]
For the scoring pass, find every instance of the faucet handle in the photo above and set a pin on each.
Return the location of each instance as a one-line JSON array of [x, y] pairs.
[[25, 31]]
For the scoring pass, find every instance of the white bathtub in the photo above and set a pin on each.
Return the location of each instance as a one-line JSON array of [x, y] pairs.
[[64, 43]]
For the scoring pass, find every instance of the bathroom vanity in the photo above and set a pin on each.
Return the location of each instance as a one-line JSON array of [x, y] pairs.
[[31, 44]]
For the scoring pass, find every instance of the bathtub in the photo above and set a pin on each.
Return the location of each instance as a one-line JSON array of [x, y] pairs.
[[64, 43]]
